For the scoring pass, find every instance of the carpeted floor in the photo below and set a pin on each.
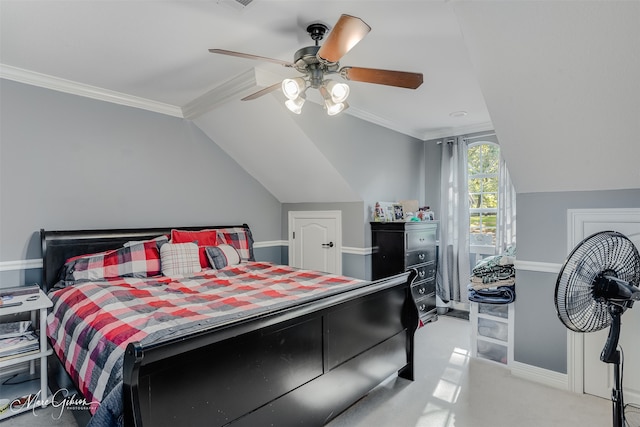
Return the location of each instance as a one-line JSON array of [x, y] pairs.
[[451, 389], [460, 314]]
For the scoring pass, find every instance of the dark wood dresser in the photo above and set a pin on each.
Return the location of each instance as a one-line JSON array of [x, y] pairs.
[[401, 246]]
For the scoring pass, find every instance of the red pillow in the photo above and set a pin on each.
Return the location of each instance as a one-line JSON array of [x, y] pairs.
[[203, 238]]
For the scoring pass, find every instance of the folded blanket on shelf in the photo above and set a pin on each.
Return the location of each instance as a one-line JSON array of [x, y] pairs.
[[494, 295], [494, 274], [480, 283]]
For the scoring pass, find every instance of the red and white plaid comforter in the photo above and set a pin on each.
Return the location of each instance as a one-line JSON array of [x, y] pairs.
[[92, 322]]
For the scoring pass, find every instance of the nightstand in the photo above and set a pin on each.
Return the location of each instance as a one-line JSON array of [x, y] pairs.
[[12, 391]]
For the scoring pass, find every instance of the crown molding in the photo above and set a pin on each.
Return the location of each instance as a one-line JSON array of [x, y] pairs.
[[356, 112], [236, 88], [457, 131], [74, 88]]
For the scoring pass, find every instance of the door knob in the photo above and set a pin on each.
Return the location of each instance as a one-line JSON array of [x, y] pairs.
[[327, 245]]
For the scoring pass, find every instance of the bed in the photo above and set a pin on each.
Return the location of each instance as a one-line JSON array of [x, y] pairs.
[[299, 359]]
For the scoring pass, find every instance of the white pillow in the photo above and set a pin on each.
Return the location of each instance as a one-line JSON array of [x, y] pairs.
[[179, 259]]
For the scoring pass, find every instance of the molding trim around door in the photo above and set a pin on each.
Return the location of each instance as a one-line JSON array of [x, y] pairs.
[[576, 221], [335, 215]]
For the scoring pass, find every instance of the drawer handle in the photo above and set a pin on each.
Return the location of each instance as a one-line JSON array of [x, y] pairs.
[[422, 274], [421, 291], [421, 257], [422, 307]]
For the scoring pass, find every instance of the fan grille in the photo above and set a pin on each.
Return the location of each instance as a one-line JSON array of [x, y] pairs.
[[606, 252]]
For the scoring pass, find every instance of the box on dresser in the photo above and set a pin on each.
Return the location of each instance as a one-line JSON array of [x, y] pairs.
[[403, 246]]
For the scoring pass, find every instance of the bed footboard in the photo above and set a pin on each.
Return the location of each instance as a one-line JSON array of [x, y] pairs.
[[300, 365]]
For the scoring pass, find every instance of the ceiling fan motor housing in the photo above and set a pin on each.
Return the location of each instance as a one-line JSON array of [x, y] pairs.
[[306, 61]]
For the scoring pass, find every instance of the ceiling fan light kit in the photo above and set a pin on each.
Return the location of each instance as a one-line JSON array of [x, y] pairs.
[[316, 62], [295, 104]]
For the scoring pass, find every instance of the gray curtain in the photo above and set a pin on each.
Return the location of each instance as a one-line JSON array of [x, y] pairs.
[[453, 269], [506, 230]]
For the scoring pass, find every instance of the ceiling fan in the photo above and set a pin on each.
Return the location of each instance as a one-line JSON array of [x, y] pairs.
[[316, 62]]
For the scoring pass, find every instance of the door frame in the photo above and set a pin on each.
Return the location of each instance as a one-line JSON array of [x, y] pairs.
[[576, 221], [335, 215]]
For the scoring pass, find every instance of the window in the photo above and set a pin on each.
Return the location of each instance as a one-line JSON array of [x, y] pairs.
[[483, 162]]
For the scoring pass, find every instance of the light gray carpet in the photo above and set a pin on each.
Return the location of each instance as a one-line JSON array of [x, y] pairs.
[[450, 390], [453, 390]]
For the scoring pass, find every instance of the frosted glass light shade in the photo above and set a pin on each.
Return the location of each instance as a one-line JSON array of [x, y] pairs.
[[292, 88], [339, 91], [295, 105]]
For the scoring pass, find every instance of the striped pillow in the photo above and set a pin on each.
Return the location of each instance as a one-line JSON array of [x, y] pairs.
[[240, 238], [222, 255]]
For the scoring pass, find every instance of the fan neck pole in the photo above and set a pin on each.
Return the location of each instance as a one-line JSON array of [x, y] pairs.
[[610, 353]]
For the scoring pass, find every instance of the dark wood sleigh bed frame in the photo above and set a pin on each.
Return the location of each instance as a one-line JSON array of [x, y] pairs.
[[301, 365]]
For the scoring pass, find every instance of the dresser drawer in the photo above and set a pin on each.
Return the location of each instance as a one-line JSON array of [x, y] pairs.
[[425, 272], [420, 239], [426, 304], [421, 256], [422, 289]]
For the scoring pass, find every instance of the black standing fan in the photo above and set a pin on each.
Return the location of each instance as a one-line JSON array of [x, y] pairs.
[[596, 284]]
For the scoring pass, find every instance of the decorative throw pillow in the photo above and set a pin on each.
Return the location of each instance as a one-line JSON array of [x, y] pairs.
[[160, 240], [240, 238], [135, 259], [179, 259], [202, 238], [222, 255]]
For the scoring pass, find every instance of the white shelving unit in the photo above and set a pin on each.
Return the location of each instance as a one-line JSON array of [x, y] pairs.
[[38, 309], [492, 332]]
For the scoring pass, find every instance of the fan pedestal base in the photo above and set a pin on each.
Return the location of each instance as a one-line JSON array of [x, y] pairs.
[[616, 396]]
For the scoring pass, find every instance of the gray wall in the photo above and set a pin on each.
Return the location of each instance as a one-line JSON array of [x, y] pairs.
[[378, 163], [540, 338], [68, 162]]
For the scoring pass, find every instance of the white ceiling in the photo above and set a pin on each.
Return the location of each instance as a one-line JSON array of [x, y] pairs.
[[560, 78], [157, 51]]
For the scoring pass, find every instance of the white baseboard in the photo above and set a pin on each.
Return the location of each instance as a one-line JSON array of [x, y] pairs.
[[539, 375]]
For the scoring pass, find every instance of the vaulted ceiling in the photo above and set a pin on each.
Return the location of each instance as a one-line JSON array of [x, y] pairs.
[[556, 79]]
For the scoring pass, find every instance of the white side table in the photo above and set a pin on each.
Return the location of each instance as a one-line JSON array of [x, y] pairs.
[[41, 304]]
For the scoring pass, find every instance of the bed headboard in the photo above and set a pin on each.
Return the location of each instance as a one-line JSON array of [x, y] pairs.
[[58, 246]]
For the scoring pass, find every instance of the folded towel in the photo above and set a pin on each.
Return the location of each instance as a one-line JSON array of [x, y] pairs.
[[480, 283], [499, 295]]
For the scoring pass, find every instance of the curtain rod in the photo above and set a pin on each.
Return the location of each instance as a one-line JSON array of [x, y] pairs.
[[479, 136], [450, 140]]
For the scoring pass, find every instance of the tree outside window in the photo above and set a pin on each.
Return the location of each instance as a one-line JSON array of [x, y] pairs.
[[483, 162]]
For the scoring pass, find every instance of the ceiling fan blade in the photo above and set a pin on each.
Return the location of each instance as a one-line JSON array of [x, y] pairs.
[[261, 92], [347, 32], [249, 56], [383, 77]]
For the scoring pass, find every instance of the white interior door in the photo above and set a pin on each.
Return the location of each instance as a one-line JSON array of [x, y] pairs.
[[315, 240], [598, 376]]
